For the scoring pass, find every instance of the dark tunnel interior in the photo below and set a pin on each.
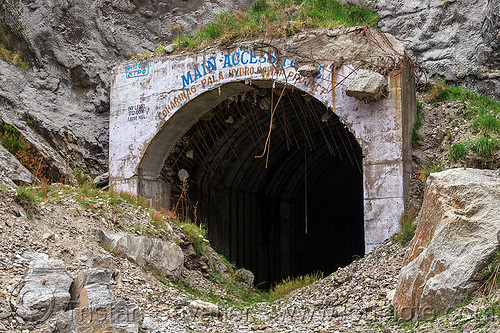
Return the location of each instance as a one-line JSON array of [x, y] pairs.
[[295, 210]]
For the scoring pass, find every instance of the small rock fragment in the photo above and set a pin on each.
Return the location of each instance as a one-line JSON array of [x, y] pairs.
[[200, 308], [308, 70]]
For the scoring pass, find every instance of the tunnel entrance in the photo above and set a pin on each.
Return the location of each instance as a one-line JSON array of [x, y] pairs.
[[295, 210]]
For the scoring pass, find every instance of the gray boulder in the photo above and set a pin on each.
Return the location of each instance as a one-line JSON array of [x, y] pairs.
[[456, 237], [245, 276], [101, 180], [367, 85], [90, 288], [200, 308], [45, 291], [150, 324], [118, 317], [164, 257], [93, 260], [309, 70], [12, 172]]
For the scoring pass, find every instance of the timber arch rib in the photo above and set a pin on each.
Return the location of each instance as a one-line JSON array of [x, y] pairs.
[[209, 112], [256, 216]]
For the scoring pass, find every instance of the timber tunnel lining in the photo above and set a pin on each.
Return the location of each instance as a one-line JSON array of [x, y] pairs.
[[257, 216]]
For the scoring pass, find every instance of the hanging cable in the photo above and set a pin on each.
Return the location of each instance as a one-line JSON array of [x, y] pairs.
[[305, 188]]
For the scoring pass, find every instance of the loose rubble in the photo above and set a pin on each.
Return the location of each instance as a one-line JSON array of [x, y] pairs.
[[105, 285]]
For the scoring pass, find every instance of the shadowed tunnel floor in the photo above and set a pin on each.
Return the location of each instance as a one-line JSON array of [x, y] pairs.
[[300, 214]]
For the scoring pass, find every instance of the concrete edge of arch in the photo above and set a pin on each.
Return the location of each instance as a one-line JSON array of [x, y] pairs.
[[155, 101]]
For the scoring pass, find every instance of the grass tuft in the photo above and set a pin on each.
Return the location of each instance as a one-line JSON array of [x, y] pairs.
[[135, 200], [408, 227], [415, 135], [458, 151], [290, 284], [25, 153], [430, 167], [26, 197], [156, 217], [80, 175], [195, 234], [485, 146], [491, 275]]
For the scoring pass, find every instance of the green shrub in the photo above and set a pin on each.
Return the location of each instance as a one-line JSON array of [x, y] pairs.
[[408, 227], [80, 175], [415, 135], [195, 234], [458, 151], [485, 146], [483, 112], [26, 194], [26, 197], [428, 168]]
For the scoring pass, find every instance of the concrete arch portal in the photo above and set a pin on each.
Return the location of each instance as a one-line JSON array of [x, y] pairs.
[[337, 168]]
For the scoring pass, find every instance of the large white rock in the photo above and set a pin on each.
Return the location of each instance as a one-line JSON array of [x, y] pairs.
[[457, 234]]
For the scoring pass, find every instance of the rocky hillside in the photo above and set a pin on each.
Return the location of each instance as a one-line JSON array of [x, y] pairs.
[[78, 258], [60, 104], [72, 250]]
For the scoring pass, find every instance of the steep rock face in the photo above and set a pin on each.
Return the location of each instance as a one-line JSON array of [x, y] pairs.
[[62, 103], [458, 39], [457, 233]]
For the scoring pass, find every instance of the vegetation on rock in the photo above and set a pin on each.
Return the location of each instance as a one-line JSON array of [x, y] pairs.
[[408, 227], [19, 146], [13, 58], [483, 116], [430, 167], [276, 18], [415, 135], [110, 205]]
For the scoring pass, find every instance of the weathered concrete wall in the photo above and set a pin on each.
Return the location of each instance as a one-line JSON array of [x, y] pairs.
[[154, 102]]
